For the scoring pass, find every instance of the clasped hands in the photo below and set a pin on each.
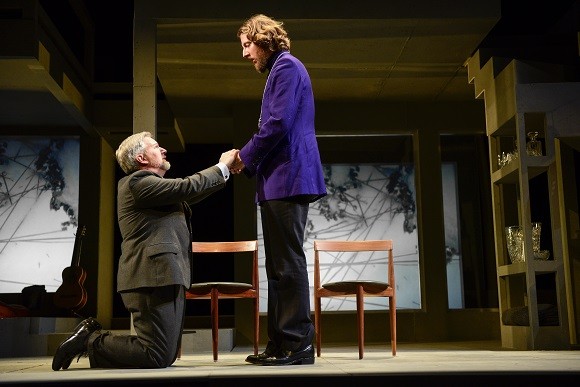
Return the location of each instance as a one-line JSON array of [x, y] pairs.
[[233, 161]]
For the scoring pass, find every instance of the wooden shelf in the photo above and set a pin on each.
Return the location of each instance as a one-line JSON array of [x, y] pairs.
[[510, 173], [512, 269], [538, 266], [507, 175], [507, 128], [516, 110], [546, 337]]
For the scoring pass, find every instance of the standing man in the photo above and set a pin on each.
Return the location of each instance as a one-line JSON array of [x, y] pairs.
[[154, 268], [284, 157]]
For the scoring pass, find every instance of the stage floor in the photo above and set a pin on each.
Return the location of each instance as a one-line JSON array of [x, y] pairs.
[[465, 363]]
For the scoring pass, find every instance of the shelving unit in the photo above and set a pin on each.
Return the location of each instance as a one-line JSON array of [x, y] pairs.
[[515, 105]]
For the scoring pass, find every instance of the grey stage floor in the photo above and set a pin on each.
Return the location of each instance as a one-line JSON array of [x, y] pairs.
[[471, 364]]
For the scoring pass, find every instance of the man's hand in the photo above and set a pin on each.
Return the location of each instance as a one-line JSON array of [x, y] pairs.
[[237, 166], [229, 157]]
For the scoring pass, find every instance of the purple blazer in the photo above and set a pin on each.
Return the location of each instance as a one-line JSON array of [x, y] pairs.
[[283, 154]]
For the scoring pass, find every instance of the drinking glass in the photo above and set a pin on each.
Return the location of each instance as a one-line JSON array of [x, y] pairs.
[[515, 243], [533, 146], [536, 233]]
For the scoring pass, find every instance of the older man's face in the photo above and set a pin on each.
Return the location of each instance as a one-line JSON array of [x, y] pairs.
[[155, 156]]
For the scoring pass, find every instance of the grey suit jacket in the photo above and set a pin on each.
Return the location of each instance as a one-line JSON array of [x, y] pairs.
[[154, 219]]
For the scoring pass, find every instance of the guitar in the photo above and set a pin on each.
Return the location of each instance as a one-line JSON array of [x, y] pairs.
[[71, 294]]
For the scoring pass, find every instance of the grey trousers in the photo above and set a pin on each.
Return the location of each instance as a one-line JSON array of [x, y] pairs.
[[158, 315]]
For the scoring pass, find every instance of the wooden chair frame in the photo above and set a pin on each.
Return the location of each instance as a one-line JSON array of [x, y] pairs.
[[357, 288], [228, 290]]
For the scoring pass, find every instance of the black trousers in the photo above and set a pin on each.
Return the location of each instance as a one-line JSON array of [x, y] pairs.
[[289, 323], [158, 315]]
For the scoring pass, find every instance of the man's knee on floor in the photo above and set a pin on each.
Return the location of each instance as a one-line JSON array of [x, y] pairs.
[[159, 359]]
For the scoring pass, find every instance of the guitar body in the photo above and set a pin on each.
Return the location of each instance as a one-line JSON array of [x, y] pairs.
[[71, 294]]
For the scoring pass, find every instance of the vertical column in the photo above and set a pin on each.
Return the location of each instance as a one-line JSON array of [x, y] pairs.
[[144, 74], [427, 155], [144, 70]]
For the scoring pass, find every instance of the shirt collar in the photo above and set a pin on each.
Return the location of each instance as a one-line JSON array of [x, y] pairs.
[[272, 59]]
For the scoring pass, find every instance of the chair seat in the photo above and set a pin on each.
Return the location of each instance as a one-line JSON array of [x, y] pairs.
[[222, 287], [352, 286]]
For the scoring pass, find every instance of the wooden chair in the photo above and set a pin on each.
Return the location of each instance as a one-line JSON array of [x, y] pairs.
[[359, 287], [227, 290]]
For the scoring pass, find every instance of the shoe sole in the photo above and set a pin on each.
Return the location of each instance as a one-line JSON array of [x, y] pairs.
[[67, 363], [303, 361], [64, 365]]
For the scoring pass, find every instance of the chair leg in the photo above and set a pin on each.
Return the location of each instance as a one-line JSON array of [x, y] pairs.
[[214, 323], [360, 313], [393, 315], [256, 325], [317, 323]]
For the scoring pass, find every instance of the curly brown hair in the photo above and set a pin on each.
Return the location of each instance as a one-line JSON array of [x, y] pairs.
[[265, 32]]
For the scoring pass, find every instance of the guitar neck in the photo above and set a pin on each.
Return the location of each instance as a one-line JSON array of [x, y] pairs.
[[76, 259]]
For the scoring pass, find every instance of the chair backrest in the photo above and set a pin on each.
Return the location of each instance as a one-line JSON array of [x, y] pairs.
[[353, 246], [231, 247]]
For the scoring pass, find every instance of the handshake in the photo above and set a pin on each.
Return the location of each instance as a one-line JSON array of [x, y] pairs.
[[232, 159]]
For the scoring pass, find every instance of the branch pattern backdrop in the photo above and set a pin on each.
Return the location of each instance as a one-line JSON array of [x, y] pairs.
[[373, 202], [39, 181], [363, 202]]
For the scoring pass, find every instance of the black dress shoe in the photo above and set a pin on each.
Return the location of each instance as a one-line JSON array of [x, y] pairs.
[[65, 364], [75, 345], [304, 356], [257, 359]]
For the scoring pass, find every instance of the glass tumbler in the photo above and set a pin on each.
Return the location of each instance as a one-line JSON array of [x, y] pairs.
[[515, 243], [536, 233]]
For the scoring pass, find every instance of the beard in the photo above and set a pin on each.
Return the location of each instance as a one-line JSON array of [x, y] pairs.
[[165, 165], [261, 62]]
